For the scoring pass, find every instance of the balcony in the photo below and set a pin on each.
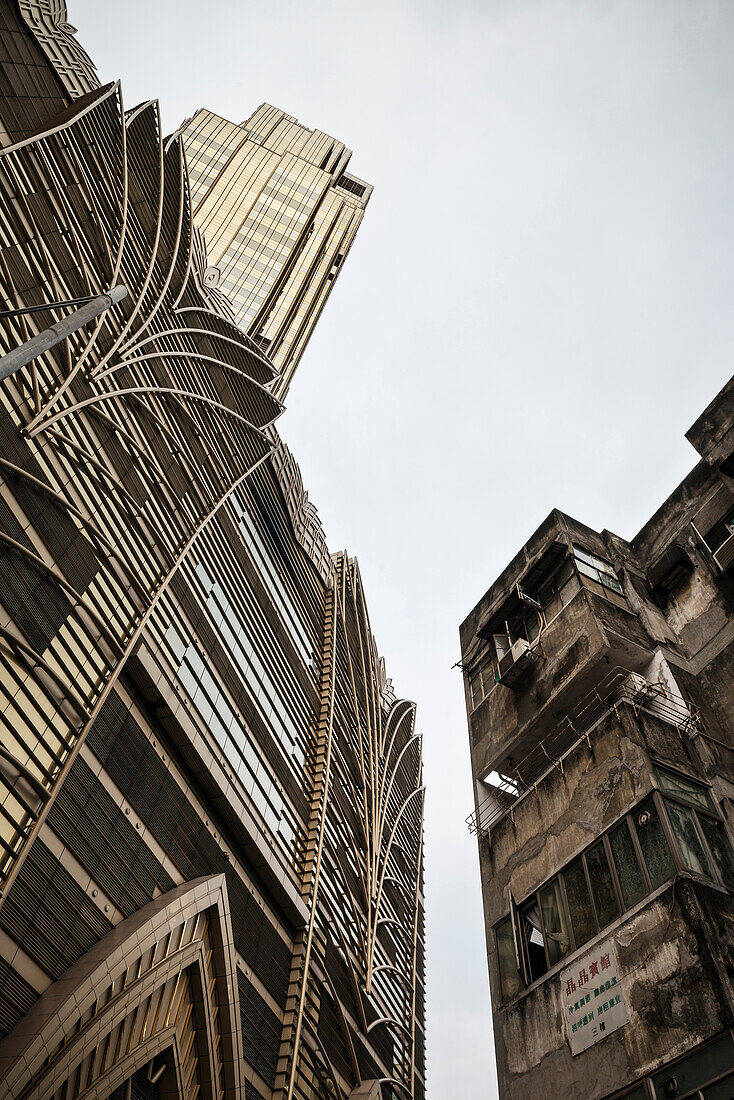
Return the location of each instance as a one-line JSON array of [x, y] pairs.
[[619, 688], [574, 651]]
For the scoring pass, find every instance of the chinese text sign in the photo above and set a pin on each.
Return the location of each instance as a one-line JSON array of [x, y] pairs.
[[593, 1002]]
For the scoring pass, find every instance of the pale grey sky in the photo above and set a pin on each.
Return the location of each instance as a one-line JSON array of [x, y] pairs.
[[537, 306]]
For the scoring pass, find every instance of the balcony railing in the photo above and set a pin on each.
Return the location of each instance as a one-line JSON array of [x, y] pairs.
[[619, 688]]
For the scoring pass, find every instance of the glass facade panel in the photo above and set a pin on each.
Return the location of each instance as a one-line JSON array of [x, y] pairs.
[[579, 903], [607, 906], [683, 821], [721, 852], [630, 877], [278, 225], [655, 850], [558, 940], [510, 984]]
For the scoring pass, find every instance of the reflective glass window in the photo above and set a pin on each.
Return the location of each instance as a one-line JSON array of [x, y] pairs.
[[558, 940], [683, 822], [720, 848], [683, 787], [597, 569]]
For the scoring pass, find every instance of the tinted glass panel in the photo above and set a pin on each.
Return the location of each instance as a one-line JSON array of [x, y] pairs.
[[611, 582], [683, 821], [655, 850], [558, 940], [720, 849], [607, 906], [628, 870], [579, 903], [686, 788], [588, 570], [510, 984]]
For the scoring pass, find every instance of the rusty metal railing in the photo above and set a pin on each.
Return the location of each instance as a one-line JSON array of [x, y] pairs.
[[619, 688]]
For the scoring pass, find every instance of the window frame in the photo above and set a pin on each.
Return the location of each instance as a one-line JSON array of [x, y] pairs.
[[518, 921], [534, 898], [481, 679], [712, 813], [596, 569], [657, 799], [548, 591]]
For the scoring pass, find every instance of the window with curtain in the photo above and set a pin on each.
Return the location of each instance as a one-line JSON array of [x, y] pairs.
[[675, 829]]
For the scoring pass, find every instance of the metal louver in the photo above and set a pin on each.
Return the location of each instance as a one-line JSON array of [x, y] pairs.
[[724, 556]]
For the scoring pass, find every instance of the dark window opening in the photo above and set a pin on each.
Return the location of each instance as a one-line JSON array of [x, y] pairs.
[[519, 619], [351, 185]]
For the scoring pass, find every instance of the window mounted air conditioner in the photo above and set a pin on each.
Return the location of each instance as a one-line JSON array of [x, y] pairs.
[[632, 690], [724, 556], [515, 662]]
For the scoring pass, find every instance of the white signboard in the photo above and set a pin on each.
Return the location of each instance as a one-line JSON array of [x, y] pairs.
[[593, 1002]]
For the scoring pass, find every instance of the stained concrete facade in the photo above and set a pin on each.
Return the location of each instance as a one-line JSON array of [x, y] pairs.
[[600, 696]]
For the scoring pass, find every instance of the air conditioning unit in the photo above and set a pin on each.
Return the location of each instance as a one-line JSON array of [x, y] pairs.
[[632, 690], [724, 556], [515, 662]]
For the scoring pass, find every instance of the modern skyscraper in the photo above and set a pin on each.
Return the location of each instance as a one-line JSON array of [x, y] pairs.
[[600, 697], [210, 799], [279, 213]]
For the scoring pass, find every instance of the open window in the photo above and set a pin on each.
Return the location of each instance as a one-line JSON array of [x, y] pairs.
[[675, 829], [508, 957], [514, 630], [597, 569]]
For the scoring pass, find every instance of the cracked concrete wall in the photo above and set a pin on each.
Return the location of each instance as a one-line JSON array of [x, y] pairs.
[[674, 988], [668, 946], [571, 641]]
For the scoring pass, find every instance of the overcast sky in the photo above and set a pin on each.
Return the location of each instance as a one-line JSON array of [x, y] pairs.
[[536, 308]]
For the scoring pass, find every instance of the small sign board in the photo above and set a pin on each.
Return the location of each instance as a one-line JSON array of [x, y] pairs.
[[593, 1001]]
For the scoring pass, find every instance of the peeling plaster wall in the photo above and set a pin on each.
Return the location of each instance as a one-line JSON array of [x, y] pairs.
[[675, 993], [598, 785], [667, 946]]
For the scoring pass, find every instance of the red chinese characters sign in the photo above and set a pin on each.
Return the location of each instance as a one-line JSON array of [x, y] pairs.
[[593, 1001]]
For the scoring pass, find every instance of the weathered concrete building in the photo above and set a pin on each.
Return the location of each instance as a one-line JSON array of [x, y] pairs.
[[600, 696]]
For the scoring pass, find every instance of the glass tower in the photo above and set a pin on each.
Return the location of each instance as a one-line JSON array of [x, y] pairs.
[[279, 213]]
